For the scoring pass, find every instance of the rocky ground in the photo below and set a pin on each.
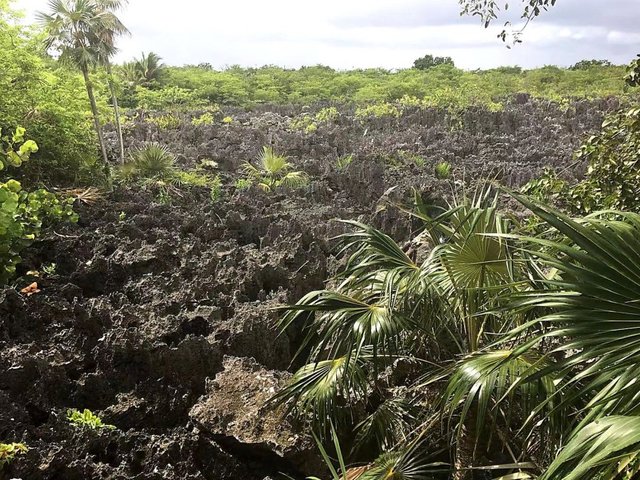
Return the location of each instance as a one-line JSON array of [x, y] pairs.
[[159, 318]]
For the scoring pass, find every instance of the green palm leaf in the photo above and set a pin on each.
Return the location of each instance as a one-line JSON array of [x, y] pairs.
[[387, 426], [596, 302], [411, 463], [316, 388], [347, 324], [608, 448], [489, 386]]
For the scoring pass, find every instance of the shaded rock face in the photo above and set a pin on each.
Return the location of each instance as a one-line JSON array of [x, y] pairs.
[[143, 308]]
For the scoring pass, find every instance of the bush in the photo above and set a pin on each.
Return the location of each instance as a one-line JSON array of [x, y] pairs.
[[274, 171], [50, 101], [378, 110], [87, 419], [22, 213], [247, 87], [443, 170], [151, 160], [304, 123], [204, 119], [153, 166], [612, 179], [165, 122], [168, 98], [344, 161], [9, 451], [327, 115]]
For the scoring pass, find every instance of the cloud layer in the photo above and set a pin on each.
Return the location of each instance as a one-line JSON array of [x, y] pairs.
[[368, 33]]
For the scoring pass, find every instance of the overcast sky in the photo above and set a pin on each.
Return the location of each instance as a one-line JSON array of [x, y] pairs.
[[368, 33]]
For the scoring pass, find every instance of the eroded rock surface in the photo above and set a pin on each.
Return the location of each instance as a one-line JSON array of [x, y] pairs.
[[235, 411]]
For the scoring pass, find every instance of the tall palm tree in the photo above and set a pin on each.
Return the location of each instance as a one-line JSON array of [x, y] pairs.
[[113, 28], [82, 31], [150, 68]]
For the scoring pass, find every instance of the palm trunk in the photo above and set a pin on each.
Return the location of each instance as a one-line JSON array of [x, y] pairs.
[[465, 450], [116, 110], [468, 440], [94, 111]]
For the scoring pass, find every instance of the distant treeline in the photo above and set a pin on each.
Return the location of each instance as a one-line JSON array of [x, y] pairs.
[[443, 85]]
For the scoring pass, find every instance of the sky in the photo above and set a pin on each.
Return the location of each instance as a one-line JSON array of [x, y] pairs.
[[348, 34]]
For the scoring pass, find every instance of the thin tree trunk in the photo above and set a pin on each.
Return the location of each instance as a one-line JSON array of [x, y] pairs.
[[94, 111], [116, 110]]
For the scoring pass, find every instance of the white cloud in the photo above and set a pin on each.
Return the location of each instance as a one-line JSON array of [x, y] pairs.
[[624, 38], [365, 33]]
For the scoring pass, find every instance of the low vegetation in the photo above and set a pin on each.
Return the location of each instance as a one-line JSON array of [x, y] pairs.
[[152, 165], [23, 213], [273, 171], [442, 170], [9, 451], [87, 419]]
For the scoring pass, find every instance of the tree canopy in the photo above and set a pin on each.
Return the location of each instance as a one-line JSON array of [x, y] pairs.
[[429, 61]]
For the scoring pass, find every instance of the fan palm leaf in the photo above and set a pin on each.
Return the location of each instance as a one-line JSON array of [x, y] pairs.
[[608, 448], [596, 301], [387, 426], [272, 163], [317, 388], [490, 385]]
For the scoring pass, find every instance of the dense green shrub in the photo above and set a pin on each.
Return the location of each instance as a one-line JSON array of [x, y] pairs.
[[442, 85], [377, 110], [612, 179], [50, 102], [613, 175], [170, 97], [23, 213]]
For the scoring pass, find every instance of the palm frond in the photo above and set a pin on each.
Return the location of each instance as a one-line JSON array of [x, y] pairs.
[[272, 163], [493, 390], [83, 31], [316, 388], [149, 160], [608, 448], [345, 325], [387, 426], [595, 298], [294, 180], [412, 463]]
